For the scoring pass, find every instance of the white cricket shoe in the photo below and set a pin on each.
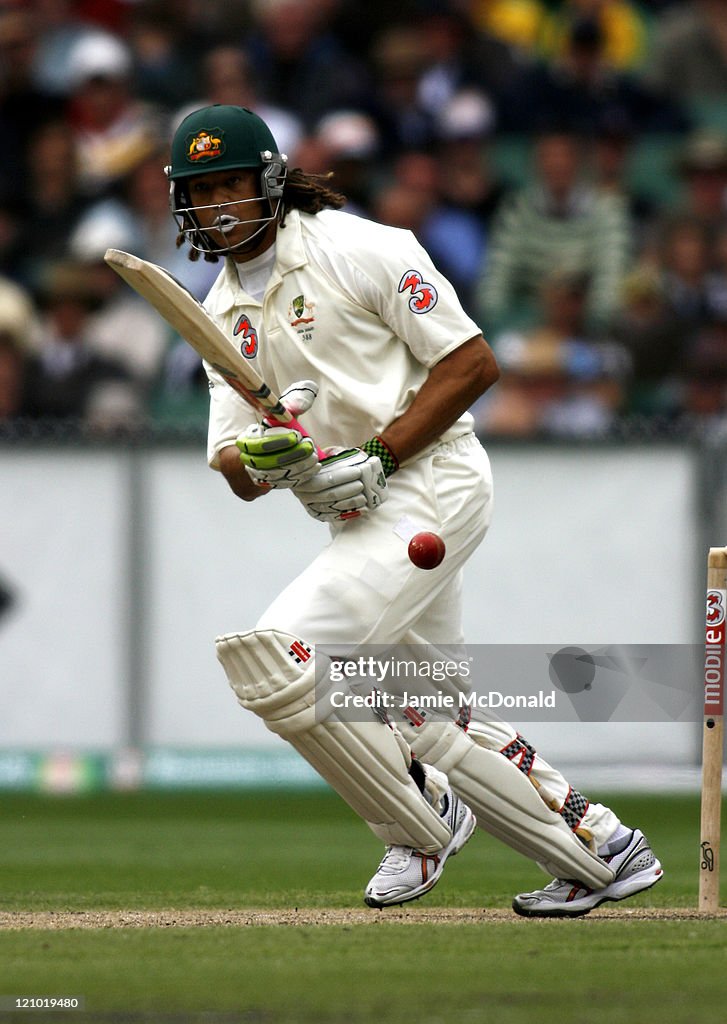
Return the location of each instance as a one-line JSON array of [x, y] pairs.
[[636, 869], [406, 874]]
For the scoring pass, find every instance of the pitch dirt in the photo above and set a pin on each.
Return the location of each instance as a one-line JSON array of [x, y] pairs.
[[313, 917]]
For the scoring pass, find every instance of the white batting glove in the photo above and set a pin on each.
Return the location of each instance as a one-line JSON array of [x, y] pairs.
[[299, 397], [281, 456], [346, 482]]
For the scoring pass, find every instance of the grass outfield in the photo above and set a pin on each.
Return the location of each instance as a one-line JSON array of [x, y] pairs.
[[183, 909]]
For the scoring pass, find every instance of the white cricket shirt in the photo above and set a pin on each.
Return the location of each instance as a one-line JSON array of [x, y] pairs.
[[354, 305]]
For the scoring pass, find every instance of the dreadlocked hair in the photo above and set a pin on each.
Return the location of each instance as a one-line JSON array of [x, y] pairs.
[[309, 193]]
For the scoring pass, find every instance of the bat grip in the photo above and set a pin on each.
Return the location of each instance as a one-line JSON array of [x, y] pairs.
[[295, 425]]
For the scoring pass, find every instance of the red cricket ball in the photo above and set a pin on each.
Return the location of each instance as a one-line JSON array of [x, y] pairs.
[[426, 550]]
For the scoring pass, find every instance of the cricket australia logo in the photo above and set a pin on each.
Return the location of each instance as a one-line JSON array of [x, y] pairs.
[[300, 316], [296, 310], [205, 145], [243, 329], [423, 296]]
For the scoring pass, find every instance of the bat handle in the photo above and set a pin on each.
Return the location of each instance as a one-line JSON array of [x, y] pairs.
[[295, 425]]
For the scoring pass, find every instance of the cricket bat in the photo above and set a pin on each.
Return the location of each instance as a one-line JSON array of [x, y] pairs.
[[191, 320]]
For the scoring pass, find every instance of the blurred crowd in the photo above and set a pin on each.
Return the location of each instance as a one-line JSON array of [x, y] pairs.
[[563, 161]]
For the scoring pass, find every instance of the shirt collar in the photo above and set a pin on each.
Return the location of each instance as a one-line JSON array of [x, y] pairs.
[[289, 255]]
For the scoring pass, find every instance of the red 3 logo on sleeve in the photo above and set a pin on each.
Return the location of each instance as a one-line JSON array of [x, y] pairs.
[[423, 296], [244, 329]]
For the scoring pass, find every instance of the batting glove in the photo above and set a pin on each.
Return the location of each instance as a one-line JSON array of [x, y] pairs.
[[345, 484], [280, 456]]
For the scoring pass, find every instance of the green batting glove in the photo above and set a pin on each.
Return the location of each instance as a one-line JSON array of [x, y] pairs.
[[277, 457]]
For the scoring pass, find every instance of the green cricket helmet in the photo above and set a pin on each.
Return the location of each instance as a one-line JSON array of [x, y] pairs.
[[222, 138]]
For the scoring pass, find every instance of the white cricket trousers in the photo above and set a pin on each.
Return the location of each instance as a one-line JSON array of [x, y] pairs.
[[363, 589]]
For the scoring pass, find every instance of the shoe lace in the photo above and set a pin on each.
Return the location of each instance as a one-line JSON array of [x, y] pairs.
[[395, 859], [558, 883]]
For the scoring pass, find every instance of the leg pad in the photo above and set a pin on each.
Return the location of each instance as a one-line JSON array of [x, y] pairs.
[[505, 802], [273, 674]]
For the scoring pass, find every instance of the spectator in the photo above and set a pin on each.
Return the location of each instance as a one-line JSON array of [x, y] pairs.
[[468, 179], [689, 53], [461, 57], [11, 243], [59, 28], [703, 168], [350, 144], [454, 238], [611, 150], [122, 328], [300, 65], [12, 379], [399, 58], [559, 221], [74, 382], [470, 189], [621, 23], [408, 199], [705, 385], [717, 278], [580, 90], [165, 58], [695, 301], [655, 341], [686, 262], [53, 201], [17, 338], [228, 78], [112, 129], [559, 379], [24, 105]]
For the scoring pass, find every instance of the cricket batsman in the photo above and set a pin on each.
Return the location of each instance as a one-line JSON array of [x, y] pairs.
[[384, 364]]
